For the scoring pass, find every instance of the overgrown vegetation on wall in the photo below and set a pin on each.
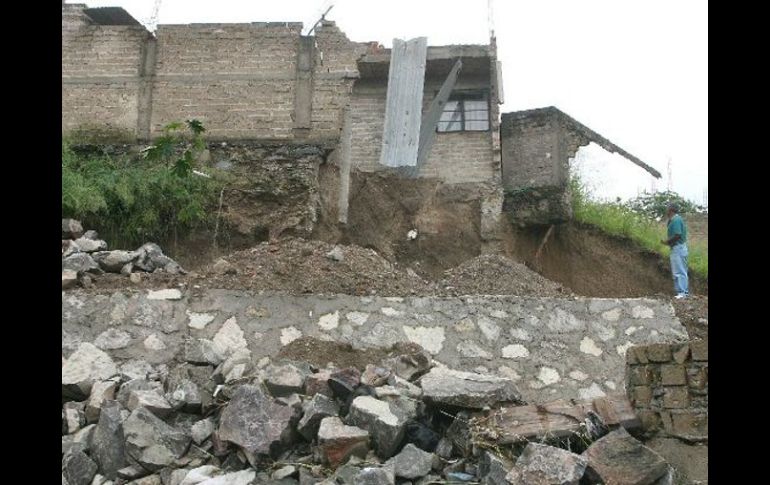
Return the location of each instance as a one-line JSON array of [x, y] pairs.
[[621, 220], [131, 199]]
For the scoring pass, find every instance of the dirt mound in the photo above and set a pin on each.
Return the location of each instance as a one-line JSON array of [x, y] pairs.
[[299, 266], [497, 275], [693, 312], [320, 352]]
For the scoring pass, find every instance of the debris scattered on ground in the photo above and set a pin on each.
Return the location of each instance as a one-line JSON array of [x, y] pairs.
[[399, 418]]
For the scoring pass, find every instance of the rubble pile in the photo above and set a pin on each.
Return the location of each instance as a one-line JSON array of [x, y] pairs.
[[83, 254], [218, 418]]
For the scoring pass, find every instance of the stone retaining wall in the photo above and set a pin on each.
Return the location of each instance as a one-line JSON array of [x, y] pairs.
[[553, 348]]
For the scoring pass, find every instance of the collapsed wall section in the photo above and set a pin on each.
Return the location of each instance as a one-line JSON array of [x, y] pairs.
[[553, 348]]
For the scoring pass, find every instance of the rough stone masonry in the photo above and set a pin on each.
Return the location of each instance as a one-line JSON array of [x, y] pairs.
[[552, 348]]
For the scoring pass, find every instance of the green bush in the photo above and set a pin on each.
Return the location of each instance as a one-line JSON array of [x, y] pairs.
[[655, 205], [133, 199], [620, 220]]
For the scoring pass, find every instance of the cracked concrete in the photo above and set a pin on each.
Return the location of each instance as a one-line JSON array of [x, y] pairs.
[[554, 348]]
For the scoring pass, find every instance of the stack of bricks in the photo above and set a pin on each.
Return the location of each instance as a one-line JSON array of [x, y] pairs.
[[668, 387]]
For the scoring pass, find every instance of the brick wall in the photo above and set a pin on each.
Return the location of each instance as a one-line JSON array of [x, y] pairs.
[[668, 387], [100, 72], [455, 157]]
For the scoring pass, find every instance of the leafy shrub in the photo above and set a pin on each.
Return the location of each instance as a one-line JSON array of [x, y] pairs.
[[654, 205], [133, 199]]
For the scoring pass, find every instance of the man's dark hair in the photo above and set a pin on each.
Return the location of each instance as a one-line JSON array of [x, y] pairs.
[[673, 206]]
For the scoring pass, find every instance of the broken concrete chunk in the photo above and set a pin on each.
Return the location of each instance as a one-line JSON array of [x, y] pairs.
[[108, 440], [283, 380], [137, 385], [151, 401], [85, 366], [337, 442], [135, 369], [385, 423], [284, 472], [412, 462], [112, 339], [376, 476], [336, 254], [100, 392], [185, 396], [467, 389], [543, 465], [493, 468], [315, 410], [254, 422], [410, 366], [621, 458], [78, 468], [81, 440], [71, 229], [151, 442], [113, 261]]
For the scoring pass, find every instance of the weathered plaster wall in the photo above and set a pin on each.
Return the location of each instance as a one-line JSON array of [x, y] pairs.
[[553, 348]]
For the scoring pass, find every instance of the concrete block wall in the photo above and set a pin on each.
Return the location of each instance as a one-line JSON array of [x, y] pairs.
[[100, 72], [668, 387]]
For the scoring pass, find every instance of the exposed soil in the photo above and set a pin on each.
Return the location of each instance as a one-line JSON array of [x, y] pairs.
[[592, 263], [320, 352], [693, 312], [298, 266]]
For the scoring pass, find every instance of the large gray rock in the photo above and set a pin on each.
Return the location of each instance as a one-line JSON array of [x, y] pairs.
[[185, 396], [386, 423], [243, 477], [71, 229], [85, 366], [150, 258], [315, 410], [234, 367], [202, 429], [80, 440], [78, 468], [151, 442], [74, 413], [337, 442], [140, 384], [283, 380], [88, 245], [151, 401], [622, 459], [255, 423], [412, 462], [410, 366], [80, 263], [113, 261], [467, 389], [100, 392], [546, 465], [108, 440]]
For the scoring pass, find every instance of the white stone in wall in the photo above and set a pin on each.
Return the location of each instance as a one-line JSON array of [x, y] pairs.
[[471, 349], [489, 328], [612, 315], [390, 312], [357, 318], [498, 314], [610, 385], [506, 371], [113, 339], [289, 335], [330, 321], [429, 338], [464, 325], [515, 351], [588, 346], [641, 311], [168, 294], [229, 338], [562, 321], [631, 330], [578, 375], [519, 333], [153, 342], [199, 321], [548, 376], [621, 349], [591, 392]]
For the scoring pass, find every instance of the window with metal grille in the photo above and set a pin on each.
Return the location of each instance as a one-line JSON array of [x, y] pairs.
[[465, 111]]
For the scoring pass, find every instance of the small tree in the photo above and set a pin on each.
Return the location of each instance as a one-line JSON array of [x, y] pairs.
[[655, 205]]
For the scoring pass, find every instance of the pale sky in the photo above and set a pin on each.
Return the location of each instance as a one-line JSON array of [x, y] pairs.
[[634, 71]]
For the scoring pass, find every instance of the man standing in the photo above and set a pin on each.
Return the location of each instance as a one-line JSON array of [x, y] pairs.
[[677, 241]]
